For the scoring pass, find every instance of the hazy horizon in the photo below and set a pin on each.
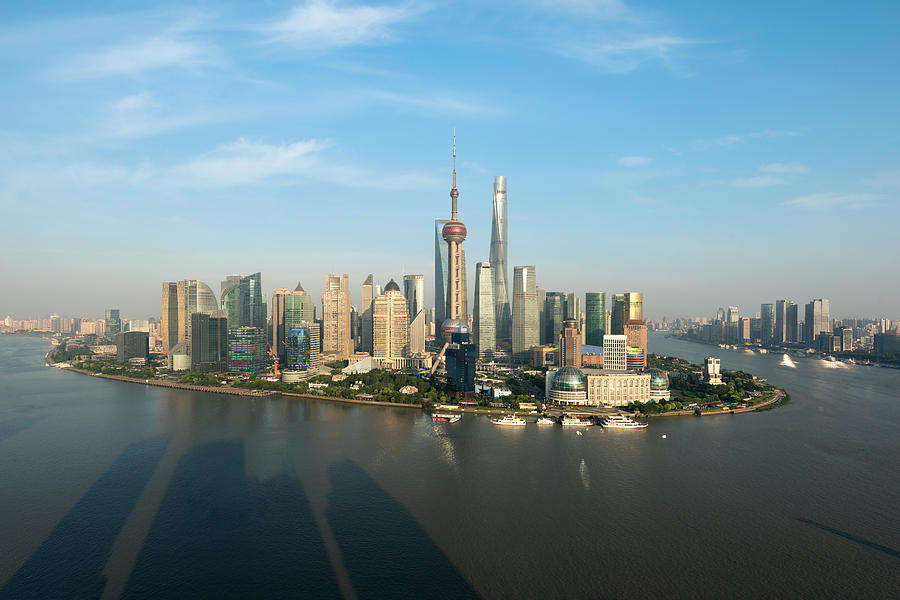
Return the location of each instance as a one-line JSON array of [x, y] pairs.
[[711, 156]]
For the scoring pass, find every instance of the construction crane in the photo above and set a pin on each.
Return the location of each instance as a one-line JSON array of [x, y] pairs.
[[437, 359], [274, 356]]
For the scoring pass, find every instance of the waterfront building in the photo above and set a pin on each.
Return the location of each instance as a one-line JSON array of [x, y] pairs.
[[594, 318], [336, 316], [302, 352], [417, 334], [133, 346], [597, 387], [712, 371], [845, 338], [180, 300], [246, 350], [635, 345], [525, 326], [180, 356], [792, 324], [168, 324], [209, 342], [744, 329], [461, 358], [566, 386], [781, 328], [659, 387], [886, 343], [767, 323], [113, 322], [499, 265], [615, 352], [414, 290], [484, 312], [570, 344], [818, 319], [720, 314], [366, 308], [390, 320]]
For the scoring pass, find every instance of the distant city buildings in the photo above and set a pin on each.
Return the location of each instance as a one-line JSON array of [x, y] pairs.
[[390, 318], [635, 345], [712, 368], [336, 316], [594, 318], [132, 347], [484, 312], [113, 322], [570, 344], [525, 326], [209, 342]]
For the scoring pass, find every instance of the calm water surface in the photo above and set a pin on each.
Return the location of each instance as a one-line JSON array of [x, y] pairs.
[[116, 490]]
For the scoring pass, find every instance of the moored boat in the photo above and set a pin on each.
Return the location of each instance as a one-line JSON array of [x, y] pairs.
[[447, 417], [509, 420], [621, 422], [546, 421], [570, 421]]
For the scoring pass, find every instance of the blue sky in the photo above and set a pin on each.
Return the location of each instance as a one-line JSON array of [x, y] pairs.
[[705, 153]]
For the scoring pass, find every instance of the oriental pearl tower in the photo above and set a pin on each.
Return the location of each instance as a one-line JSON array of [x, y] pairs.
[[454, 232]]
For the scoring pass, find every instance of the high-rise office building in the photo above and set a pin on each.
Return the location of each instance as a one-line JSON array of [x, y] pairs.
[[336, 316], [619, 314], [525, 326], [720, 314], [573, 308], [818, 320], [634, 306], [570, 344], [615, 352], [417, 334], [594, 318], [246, 350], [766, 323], [781, 321], [541, 295], [636, 345], [132, 345], [278, 331], [744, 329], [298, 308], [440, 272], [462, 356], [302, 350], [792, 323], [414, 290], [484, 313], [732, 316], [390, 318], [554, 315], [209, 342], [180, 301], [113, 323], [499, 266], [368, 288]]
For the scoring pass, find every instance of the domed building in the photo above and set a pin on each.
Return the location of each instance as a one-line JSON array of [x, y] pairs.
[[567, 386], [659, 387]]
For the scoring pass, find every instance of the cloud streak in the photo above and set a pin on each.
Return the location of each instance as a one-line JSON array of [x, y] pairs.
[[758, 181], [784, 168], [320, 25], [131, 59], [828, 200], [634, 161]]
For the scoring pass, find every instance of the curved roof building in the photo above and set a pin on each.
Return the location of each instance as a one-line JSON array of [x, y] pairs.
[[567, 386]]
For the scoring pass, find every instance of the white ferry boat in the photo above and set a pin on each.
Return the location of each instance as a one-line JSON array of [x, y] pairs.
[[448, 417], [509, 420], [621, 422], [570, 421], [546, 421]]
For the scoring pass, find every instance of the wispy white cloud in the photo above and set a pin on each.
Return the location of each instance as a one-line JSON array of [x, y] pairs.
[[429, 101], [626, 52], [606, 9], [143, 114], [826, 200], [320, 25], [784, 168], [737, 138], [137, 57], [634, 161], [759, 181]]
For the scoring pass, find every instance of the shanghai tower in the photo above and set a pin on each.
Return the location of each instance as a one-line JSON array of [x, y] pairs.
[[502, 313]]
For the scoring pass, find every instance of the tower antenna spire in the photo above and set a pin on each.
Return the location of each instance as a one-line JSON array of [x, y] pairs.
[[454, 158]]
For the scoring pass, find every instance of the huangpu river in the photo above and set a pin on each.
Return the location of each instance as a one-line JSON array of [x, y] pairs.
[[112, 490]]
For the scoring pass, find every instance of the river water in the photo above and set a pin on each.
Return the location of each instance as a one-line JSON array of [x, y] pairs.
[[116, 490]]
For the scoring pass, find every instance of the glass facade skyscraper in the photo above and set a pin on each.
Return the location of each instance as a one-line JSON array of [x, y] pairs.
[[414, 291], [113, 323], [440, 272], [767, 323], [245, 310], [525, 326], [594, 318], [303, 348], [498, 256], [209, 343], [246, 350]]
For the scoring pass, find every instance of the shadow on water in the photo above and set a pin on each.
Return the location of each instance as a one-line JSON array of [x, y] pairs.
[[853, 538], [11, 427], [386, 552], [70, 562], [220, 534]]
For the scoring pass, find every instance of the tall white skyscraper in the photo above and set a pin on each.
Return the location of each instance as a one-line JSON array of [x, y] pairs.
[[615, 353], [483, 325], [499, 268]]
